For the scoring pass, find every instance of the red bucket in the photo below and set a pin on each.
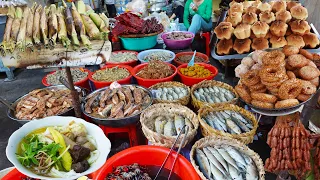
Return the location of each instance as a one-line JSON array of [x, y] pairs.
[[84, 83], [189, 81], [149, 82], [131, 63], [201, 55], [101, 84], [148, 156]]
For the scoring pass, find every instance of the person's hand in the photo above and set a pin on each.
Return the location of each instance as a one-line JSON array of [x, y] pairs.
[[195, 8]]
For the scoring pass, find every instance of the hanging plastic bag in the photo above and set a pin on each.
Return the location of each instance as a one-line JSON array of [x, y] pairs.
[[137, 6]]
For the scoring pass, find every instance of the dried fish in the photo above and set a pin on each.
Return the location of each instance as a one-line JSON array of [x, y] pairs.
[[171, 93], [213, 94]]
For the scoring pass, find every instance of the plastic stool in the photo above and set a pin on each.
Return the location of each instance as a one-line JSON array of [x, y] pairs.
[[131, 130], [206, 35]]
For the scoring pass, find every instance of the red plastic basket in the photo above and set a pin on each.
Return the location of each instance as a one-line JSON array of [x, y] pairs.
[[189, 81], [131, 63]]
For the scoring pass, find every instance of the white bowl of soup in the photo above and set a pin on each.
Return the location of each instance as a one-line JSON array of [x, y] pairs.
[[58, 148]]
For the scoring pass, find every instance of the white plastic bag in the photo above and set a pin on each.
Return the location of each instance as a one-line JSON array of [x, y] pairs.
[[137, 6], [161, 18]]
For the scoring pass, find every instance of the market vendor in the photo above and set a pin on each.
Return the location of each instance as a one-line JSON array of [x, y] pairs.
[[197, 15]]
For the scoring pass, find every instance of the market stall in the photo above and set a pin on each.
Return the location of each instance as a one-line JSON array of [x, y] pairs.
[[175, 110]]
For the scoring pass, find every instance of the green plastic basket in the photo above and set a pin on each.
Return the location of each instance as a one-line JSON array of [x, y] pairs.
[[139, 44]]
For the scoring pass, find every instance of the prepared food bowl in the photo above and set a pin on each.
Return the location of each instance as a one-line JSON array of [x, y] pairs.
[[101, 84], [117, 122], [156, 54], [103, 147], [189, 81], [149, 117], [177, 43], [204, 58], [128, 62], [149, 82], [84, 83], [11, 114]]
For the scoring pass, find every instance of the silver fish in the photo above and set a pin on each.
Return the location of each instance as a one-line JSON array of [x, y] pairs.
[[165, 90], [248, 123], [229, 95], [211, 90], [175, 95], [218, 156], [251, 172], [208, 99], [236, 155], [209, 122], [233, 126], [240, 124], [215, 172], [164, 96], [170, 98], [159, 124], [222, 98], [235, 175], [227, 157], [177, 89], [214, 161], [169, 129], [203, 163], [213, 123], [206, 90], [216, 89], [225, 115], [200, 91], [179, 123], [217, 98], [220, 116]]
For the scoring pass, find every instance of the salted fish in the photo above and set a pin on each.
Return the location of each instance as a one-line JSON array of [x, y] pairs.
[[235, 175], [159, 124], [242, 119], [240, 124], [214, 161], [227, 157], [236, 155], [232, 125], [203, 163], [252, 173], [216, 174], [169, 129], [179, 123], [218, 156]]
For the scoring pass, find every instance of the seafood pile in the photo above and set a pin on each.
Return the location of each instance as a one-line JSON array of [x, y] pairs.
[[133, 171], [111, 74], [280, 79], [225, 162], [214, 94], [78, 74], [117, 103], [119, 57], [171, 93], [196, 71], [155, 69], [161, 55], [171, 125], [228, 121], [187, 58], [290, 147], [41, 103], [178, 36]]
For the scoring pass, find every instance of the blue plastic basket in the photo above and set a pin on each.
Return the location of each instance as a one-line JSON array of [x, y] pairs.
[[139, 44]]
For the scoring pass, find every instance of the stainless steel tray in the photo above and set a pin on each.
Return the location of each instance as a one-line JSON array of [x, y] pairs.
[[121, 121], [11, 114]]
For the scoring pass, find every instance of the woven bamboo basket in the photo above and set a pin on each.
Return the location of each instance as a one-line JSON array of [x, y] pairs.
[[147, 122], [207, 130], [210, 83], [183, 101], [220, 140]]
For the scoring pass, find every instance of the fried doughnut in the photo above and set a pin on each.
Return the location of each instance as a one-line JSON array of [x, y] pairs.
[[288, 67], [290, 50], [264, 97], [315, 81], [260, 90], [291, 75], [303, 97], [257, 87], [276, 83], [306, 53], [261, 104], [290, 89], [297, 61], [243, 92], [250, 78], [273, 58], [311, 63], [308, 88], [308, 72], [272, 73], [286, 103]]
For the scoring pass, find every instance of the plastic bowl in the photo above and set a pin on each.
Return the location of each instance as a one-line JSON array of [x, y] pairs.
[[84, 83], [149, 82], [189, 81], [143, 54], [101, 84], [177, 44], [201, 55], [139, 44], [131, 63], [155, 157]]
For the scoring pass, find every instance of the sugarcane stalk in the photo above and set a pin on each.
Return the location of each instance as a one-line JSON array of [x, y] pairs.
[[15, 29], [91, 29], [36, 27], [53, 26], [29, 43], [98, 22], [70, 27], [62, 29], [44, 27], [7, 31], [21, 39], [80, 28]]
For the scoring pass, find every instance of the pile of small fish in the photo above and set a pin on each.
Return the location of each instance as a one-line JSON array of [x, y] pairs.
[[129, 172], [118, 102], [171, 125], [123, 57], [214, 94], [228, 121], [171, 93], [225, 162], [161, 55]]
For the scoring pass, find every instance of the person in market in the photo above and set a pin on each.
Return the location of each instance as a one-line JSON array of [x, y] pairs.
[[178, 10], [197, 15], [111, 8]]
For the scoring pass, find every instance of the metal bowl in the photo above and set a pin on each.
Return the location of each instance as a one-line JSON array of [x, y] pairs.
[[11, 114], [112, 122]]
